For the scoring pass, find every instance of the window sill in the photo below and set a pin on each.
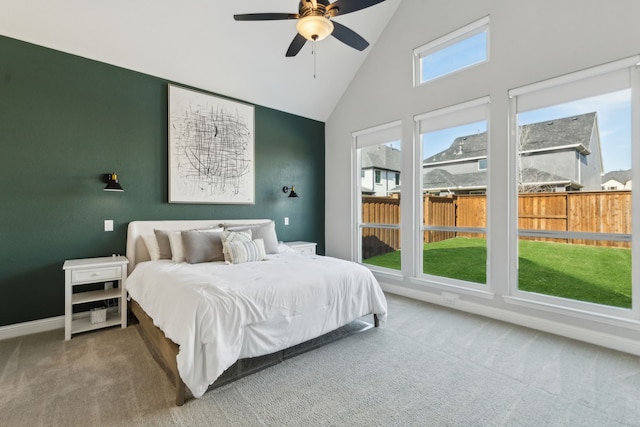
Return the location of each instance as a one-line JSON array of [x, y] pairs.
[[450, 287], [619, 321]]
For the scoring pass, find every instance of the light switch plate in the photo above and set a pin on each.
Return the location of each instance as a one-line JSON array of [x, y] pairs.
[[108, 225]]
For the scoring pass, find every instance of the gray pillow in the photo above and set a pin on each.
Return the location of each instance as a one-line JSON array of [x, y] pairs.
[[162, 236], [202, 246], [266, 232]]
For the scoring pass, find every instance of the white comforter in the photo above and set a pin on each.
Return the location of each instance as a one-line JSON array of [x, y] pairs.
[[220, 313]]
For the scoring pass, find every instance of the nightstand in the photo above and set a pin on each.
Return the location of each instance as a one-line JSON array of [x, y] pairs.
[[79, 272], [304, 247]]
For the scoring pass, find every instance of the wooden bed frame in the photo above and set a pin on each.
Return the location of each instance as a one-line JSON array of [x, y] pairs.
[[164, 350]]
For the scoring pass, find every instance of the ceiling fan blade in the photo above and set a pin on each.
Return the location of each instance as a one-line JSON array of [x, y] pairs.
[[348, 36], [265, 16], [342, 7], [295, 46]]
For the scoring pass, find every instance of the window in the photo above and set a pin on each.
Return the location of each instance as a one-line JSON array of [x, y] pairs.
[[377, 214], [453, 206], [455, 51], [573, 239], [482, 164]]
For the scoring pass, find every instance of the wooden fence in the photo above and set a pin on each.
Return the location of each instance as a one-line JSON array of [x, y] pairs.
[[380, 210], [592, 212]]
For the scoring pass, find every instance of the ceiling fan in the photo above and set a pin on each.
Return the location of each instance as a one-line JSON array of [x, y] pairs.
[[314, 22]]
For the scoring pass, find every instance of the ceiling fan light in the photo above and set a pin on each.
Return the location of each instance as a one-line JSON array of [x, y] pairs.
[[314, 27]]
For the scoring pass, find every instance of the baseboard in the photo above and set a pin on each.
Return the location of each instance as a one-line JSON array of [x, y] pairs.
[[33, 327], [538, 323]]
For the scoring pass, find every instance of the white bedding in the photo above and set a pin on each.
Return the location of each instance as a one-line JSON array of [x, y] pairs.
[[219, 313]]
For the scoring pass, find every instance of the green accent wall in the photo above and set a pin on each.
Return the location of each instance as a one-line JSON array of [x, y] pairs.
[[66, 120]]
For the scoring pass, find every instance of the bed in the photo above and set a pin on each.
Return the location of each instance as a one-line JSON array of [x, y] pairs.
[[209, 317]]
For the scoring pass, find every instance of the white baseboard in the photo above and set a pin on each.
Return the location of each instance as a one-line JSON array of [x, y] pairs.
[[538, 323], [33, 327]]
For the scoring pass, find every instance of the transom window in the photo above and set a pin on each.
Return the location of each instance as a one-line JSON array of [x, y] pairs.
[[455, 51]]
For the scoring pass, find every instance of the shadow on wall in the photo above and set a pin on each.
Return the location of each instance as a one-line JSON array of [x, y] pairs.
[[373, 245], [50, 301]]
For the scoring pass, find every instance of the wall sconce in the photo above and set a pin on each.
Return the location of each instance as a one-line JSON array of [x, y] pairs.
[[112, 182], [286, 189]]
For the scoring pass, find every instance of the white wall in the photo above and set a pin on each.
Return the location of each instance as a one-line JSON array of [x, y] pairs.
[[530, 41]]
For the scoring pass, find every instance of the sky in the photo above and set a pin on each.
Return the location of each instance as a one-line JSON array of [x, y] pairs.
[[455, 57]]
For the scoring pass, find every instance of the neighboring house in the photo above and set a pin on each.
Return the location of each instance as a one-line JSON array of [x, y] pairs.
[[557, 155], [380, 170], [617, 180]]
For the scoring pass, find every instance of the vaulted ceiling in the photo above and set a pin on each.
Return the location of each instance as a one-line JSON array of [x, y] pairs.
[[198, 43]]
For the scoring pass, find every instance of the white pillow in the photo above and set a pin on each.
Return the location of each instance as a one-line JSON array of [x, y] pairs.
[[152, 246], [177, 248], [242, 251]]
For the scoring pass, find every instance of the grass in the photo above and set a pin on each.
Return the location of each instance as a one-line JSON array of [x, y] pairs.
[[585, 273]]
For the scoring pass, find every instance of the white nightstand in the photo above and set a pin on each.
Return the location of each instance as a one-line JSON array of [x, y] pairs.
[[304, 247], [78, 272]]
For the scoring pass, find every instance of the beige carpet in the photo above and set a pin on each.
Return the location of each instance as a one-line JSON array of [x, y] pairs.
[[426, 366]]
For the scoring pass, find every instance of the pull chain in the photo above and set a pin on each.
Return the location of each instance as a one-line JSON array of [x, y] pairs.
[[314, 52]]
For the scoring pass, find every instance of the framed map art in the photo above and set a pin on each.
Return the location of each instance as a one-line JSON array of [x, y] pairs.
[[211, 149]]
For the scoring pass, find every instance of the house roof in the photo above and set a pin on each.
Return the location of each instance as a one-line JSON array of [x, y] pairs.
[[381, 157], [533, 176], [568, 131], [440, 179], [621, 176], [571, 131]]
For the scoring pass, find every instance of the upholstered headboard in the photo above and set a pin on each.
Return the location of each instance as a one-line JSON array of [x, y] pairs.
[[137, 249]]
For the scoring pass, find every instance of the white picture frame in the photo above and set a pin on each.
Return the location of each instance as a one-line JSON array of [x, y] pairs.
[[211, 149]]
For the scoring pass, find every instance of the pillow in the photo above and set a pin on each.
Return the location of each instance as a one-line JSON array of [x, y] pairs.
[[233, 236], [266, 232], [202, 246], [242, 251], [152, 246], [177, 249], [162, 238]]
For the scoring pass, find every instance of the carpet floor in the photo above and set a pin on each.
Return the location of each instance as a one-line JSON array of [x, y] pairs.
[[425, 366]]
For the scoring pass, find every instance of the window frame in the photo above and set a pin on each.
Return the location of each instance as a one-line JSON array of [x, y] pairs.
[[597, 80], [382, 134], [447, 117], [480, 26]]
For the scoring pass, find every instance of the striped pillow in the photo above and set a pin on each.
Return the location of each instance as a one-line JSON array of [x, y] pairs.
[[240, 251], [233, 236]]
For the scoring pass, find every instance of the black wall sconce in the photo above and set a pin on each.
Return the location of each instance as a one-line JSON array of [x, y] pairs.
[[293, 193], [112, 182]]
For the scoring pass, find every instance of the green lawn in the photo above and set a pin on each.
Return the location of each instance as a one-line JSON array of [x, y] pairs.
[[585, 273]]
